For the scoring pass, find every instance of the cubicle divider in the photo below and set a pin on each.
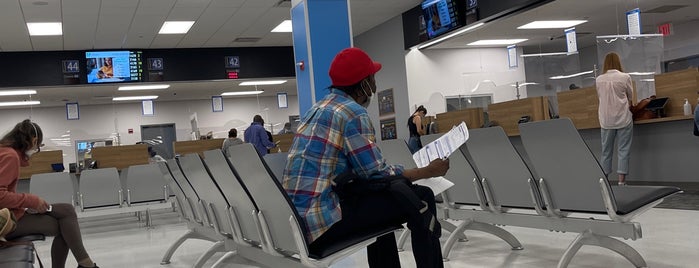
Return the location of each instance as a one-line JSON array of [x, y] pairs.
[[284, 142], [472, 116], [678, 86], [120, 157], [580, 105]]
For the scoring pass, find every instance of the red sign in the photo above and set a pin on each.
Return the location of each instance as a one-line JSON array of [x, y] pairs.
[[665, 29], [232, 75], [130, 130]]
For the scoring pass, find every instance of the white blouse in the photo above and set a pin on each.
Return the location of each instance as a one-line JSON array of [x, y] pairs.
[[614, 91]]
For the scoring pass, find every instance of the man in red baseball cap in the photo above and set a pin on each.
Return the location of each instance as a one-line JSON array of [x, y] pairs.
[[336, 139]]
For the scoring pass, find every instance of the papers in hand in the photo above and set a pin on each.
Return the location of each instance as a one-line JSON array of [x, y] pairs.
[[442, 148]]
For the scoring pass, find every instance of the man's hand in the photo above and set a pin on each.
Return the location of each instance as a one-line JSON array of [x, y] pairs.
[[438, 167]]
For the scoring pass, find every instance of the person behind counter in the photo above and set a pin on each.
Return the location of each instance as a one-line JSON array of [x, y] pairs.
[[336, 137], [616, 121], [416, 129], [34, 215]]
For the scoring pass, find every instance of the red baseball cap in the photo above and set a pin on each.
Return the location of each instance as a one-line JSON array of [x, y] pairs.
[[350, 66]]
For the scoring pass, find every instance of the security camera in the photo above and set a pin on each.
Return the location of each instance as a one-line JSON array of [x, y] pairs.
[[551, 38]]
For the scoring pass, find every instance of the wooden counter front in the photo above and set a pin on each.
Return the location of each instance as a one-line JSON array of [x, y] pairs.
[[472, 116], [581, 106], [120, 157], [41, 163], [198, 146], [508, 113], [678, 86], [284, 140]]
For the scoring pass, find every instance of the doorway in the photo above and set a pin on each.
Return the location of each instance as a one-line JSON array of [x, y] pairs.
[[161, 137]]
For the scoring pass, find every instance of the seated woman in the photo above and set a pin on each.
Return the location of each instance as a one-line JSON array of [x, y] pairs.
[[33, 214]]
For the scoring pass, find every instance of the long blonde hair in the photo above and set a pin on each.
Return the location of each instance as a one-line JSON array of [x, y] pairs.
[[612, 61]]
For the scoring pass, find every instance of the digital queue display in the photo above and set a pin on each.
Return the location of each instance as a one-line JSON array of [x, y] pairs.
[[114, 66]]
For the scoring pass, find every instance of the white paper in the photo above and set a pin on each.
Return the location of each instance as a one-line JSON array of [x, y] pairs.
[[147, 107], [72, 111], [442, 147], [217, 103], [512, 56]]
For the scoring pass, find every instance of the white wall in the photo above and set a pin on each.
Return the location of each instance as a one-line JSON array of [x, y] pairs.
[[451, 72], [99, 121], [384, 44], [684, 42]]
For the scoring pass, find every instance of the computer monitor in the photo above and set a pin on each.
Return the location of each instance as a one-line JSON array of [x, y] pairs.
[[657, 104]]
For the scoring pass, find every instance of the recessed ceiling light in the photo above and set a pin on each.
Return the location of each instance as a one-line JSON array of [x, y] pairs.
[[263, 83], [551, 24], [240, 93], [176, 27], [143, 87], [497, 42], [17, 92], [19, 103], [45, 28], [284, 27], [135, 98]]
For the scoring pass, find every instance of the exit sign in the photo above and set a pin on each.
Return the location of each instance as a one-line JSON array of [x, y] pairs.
[[665, 29]]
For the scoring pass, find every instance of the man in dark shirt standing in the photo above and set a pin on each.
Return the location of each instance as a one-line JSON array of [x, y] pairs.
[[257, 135]]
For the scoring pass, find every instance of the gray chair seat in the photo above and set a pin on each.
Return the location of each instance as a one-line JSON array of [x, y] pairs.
[[631, 198], [319, 253]]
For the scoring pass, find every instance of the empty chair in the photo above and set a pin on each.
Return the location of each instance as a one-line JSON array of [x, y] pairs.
[[100, 188], [53, 187], [283, 229], [277, 163], [571, 180], [211, 199], [144, 183]]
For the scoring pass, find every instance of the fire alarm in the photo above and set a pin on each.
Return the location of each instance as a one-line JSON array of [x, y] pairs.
[[302, 65]]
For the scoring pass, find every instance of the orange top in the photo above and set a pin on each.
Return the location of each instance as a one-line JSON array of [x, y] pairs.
[[10, 162]]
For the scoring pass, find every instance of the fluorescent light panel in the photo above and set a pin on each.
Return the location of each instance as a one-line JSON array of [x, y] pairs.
[[263, 83], [497, 42], [19, 103], [45, 28], [284, 27], [440, 39], [143, 87], [551, 24], [241, 93], [135, 98], [176, 27], [17, 92]]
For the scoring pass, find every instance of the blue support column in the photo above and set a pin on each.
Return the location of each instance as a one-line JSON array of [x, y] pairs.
[[321, 28]]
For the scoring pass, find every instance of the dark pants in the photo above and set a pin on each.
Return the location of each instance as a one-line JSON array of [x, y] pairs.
[[62, 224], [381, 209]]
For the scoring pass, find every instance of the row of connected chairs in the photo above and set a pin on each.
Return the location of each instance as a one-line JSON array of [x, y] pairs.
[[104, 191], [240, 205], [560, 188]]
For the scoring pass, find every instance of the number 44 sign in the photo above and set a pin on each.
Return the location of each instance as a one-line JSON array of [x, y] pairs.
[[71, 66]]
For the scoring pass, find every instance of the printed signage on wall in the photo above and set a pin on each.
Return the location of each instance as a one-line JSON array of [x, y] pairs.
[[388, 129], [512, 56], [217, 104], [72, 111], [571, 40], [633, 19], [386, 102]]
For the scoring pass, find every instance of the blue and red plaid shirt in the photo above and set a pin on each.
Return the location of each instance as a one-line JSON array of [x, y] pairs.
[[335, 135]]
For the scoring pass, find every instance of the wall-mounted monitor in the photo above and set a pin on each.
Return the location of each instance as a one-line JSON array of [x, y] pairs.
[[440, 16], [114, 66]]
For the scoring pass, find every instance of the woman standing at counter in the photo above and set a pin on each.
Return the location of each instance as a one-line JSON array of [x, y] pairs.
[[416, 129], [614, 91]]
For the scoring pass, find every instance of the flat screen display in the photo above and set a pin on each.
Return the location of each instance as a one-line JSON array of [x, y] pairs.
[[114, 66], [441, 16]]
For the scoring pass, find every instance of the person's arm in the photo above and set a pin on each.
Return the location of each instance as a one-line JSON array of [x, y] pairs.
[[265, 138], [436, 168], [8, 174], [629, 91], [417, 120]]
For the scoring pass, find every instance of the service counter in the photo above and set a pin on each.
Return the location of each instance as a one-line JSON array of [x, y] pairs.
[[472, 116], [284, 142], [197, 146], [120, 157], [41, 163], [508, 114]]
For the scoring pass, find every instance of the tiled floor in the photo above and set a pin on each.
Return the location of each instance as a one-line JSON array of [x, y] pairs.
[[671, 240]]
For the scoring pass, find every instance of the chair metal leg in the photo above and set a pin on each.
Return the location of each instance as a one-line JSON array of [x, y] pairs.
[[224, 258], [589, 238], [191, 234], [219, 246], [402, 238], [450, 227], [497, 231], [446, 249], [149, 219]]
